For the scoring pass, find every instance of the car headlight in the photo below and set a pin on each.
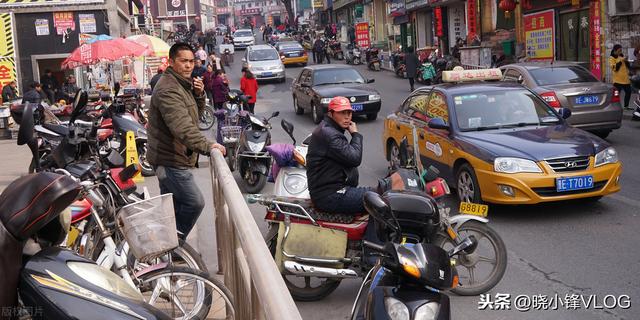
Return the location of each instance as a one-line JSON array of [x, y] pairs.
[[295, 183], [515, 165], [396, 309], [105, 279], [255, 146], [374, 97], [608, 155], [427, 311], [325, 100]]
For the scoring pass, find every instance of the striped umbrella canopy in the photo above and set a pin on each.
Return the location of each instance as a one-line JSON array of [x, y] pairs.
[[158, 47], [104, 50]]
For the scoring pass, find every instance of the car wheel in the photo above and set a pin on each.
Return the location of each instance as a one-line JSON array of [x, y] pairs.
[[467, 184], [296, 107], [316, 113], [372, 116], [393, 155]]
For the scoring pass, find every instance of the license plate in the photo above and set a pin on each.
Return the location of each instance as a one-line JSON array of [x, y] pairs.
[[293, 55], [474, 209], [267, 74], [588, 99], [357, 107], [574, 183]]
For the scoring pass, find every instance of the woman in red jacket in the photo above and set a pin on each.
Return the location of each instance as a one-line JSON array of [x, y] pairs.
[[249, 85]]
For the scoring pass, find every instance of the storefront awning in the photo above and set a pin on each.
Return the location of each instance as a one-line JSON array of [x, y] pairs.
[[401, 19]]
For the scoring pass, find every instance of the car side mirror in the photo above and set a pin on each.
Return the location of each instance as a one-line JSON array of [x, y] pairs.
[[371, 80], [437, 123], [565, 113]]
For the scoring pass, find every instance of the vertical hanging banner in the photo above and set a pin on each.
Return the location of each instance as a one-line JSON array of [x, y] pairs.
[[63, 21], [539, 33], [362, 35], [472, 20], [7, 50], [437, 12], [596, 49]]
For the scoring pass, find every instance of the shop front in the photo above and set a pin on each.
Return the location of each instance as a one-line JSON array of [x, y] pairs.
[[567, 30], [422, 19], [451, 15]]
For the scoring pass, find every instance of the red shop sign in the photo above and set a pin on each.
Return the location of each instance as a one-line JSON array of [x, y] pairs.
[[472, 22], [596, 50], [437, 12], [362, 35]]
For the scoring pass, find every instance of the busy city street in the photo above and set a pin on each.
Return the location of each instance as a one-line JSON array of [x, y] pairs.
[[199, 160]]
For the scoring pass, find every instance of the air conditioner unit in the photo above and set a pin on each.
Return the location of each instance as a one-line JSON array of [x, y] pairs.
[[624, 7]]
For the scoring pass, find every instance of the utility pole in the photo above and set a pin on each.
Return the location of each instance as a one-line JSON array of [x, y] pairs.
[[186, 12]]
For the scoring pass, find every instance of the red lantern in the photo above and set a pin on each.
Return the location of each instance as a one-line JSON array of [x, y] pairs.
[[507, 6]]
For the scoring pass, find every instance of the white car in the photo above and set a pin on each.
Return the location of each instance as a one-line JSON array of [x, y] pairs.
[[243, 38], [264, 62]]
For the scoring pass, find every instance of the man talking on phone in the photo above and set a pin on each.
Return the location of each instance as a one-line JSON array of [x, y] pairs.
[[175, 141], [333, 160]]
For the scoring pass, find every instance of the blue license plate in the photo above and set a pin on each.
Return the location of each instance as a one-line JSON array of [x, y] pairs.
[[267, 74], [357, 107], [293, 55], [589, 99], [574, 183]]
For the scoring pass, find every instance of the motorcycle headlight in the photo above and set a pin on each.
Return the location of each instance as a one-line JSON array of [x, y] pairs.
[[608, 155], [515, 165], [104, 279], [427, 311], [396, 309], [295, 183], [325, 100], [255, 146], [374, 97]]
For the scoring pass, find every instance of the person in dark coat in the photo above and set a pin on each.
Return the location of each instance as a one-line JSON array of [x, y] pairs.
[[411, 64], [49, 85], [318, 51], [198, 69], [35, 94], [156, 77], [351, 32], [10, 92], [219, 89]]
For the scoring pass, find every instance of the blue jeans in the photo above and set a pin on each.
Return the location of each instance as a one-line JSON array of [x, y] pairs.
[[188, 201], [347, 200]]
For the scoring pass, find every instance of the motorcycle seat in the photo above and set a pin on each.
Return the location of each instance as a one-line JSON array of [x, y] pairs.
[[57, 128]]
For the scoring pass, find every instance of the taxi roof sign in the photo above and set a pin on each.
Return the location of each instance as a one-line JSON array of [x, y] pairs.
[[460, 75]]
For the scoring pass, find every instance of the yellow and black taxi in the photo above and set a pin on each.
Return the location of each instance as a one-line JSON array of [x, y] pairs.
[[292, 52], [501, 143]]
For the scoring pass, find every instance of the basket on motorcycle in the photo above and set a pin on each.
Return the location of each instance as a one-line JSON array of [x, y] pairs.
[[306, 240], [149, 226], [230, 134]]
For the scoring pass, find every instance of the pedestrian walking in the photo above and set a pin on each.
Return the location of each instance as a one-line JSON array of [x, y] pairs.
[[327, 51], [351, 33], [201, 55], [318, 50], [249, 86], [411, 63], [174, 140], [219, 90], [210, 42], [207, 78], [620, 68]]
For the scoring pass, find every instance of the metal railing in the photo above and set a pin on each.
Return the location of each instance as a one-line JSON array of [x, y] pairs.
[[243, 257]]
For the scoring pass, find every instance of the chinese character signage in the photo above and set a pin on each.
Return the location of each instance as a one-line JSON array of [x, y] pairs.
[[472, 20], [63, 21], [176, 8], [42, 27], [596, 50], [362, 35], [533, 5], [437, 12], [223, 10], [250, 11], [87, 23], [7, 50], [318, 4], [539, 32]]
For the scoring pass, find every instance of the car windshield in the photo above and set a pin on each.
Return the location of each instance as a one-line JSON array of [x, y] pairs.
[[561, 75], [243, 34], [337, 76], [263, 55], [504, 109]]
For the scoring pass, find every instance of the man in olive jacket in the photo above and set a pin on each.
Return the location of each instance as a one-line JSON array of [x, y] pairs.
[[174, 140]]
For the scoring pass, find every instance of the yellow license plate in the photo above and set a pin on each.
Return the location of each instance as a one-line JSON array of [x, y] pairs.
[[475, 209]]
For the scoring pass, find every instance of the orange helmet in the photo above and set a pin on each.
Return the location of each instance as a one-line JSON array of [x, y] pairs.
[[338, 104]]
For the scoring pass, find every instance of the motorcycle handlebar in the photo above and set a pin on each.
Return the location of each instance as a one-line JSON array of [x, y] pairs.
[[373, 246]]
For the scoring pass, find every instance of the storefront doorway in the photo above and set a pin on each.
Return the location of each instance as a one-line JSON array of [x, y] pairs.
[[575, 36]]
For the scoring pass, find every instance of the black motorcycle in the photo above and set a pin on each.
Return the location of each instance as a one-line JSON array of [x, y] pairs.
[[407, 280], [399, 66], [253, 159], [373, 59]]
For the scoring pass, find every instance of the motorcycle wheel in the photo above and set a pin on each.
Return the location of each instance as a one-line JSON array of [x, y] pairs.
[[231, 159], [207, 119], [340, 56], [305, 292], [147, 169], [491, 251], [376, 66], [254, 182]]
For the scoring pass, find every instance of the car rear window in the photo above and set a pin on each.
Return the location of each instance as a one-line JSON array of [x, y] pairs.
[[263, 55], [560, 75]]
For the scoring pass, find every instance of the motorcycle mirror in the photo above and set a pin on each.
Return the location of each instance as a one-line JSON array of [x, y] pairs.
[[79, 104], [25, 133], [380, 210], [288, 128]]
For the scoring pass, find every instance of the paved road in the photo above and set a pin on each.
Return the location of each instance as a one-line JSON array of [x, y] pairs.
[[568, 248]]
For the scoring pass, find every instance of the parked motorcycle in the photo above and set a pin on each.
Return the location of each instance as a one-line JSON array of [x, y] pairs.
[[206, 118], [253, 159], [353, 55], [399, 66], [336, 49], [373, 59], [409, 278], [288, 169], [231, 122]]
